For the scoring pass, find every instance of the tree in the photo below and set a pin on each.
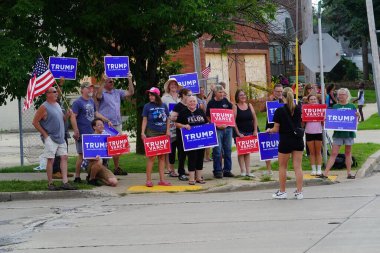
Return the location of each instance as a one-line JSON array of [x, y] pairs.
[[145, 30], [348, 18]]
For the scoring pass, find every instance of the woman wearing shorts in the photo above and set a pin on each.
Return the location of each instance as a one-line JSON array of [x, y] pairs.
[[313, 132], [286, 120], [340, 138]]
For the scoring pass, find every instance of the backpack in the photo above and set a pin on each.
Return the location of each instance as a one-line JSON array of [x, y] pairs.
[[340, 162]]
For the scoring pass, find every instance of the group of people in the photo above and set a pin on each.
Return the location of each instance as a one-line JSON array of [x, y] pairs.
[[87, 115], [91, 111]]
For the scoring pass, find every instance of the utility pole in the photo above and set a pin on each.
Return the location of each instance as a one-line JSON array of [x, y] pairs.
[[307, 29], [375, 51]]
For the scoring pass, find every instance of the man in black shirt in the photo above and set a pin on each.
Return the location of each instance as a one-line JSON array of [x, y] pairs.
[[224, 136]]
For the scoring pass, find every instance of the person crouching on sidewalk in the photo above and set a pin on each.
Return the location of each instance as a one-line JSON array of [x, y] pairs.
[[96, 170]]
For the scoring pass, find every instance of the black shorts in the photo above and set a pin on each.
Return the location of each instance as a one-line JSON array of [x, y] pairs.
[[314, 137], [290, 143]]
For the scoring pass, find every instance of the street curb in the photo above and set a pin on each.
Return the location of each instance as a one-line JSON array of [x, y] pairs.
[[39, 195], [266, 186], [370, 165]]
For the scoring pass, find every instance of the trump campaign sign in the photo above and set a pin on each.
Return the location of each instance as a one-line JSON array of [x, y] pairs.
[[94, 145], [158, 145], [271, 108], [116, 66], [268, 144], [313, 112], [201, 136], [63, 67], [117, 145], [110, 130], [188, 81], [247, 144], [222, 117], [341, 120]]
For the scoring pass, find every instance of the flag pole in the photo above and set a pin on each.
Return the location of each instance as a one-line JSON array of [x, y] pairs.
[[297, 51], [59, 88]]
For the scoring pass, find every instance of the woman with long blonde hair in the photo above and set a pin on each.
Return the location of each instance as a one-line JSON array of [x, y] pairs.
[[288, 123]]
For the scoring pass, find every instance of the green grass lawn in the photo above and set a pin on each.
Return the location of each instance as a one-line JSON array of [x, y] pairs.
[[361, 151], [133, 163], [40, 185], [371, 123], [369, 95]]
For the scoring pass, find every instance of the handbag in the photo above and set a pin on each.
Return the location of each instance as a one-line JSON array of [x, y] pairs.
[[298, 131]]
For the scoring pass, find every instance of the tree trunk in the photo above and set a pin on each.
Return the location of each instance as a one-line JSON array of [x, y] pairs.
[[365, 58]]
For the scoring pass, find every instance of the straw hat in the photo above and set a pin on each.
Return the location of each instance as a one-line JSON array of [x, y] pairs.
[[166, 85]]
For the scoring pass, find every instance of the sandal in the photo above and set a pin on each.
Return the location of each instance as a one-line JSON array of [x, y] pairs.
[[173, 174], [191, 182], [200, 181], [350, 176], [322, 176]]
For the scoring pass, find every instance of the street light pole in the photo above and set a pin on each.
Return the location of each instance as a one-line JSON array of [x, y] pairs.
[[375, 51]]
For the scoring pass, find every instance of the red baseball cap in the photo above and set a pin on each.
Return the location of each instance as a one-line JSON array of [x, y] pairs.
[[154, 90]]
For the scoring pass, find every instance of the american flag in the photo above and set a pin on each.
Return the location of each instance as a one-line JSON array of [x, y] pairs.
[[206, 71], [42, 79]]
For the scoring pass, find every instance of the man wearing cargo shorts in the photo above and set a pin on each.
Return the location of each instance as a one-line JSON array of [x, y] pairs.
[[49, 121]]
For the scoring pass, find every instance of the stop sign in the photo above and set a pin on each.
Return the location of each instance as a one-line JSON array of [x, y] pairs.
[[330, 52]]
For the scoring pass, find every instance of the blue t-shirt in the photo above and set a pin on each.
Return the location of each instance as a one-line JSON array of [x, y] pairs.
[[156, 115], [85, 111]]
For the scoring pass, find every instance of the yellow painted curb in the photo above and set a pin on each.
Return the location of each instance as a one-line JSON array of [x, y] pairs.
[[308, 176], [159, 188]]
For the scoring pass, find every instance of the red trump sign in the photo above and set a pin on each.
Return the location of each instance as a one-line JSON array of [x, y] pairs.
[[247, 144], [222, 117], [313, 112], [157, 145], [117, 145]]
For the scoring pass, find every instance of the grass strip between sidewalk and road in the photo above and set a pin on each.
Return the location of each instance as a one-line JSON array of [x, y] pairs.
[[371, 123], [37, 185]]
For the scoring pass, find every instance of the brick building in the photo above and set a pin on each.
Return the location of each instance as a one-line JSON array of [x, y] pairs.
[[247, 60]]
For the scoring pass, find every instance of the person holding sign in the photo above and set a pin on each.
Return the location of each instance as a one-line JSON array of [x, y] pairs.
[[340, 138], [287, 121], [84, 112], [191, 116], [276, 96], [184, 94], [314, 139], [155, 123], [96, 170], [109, 100], [246, 124], [171, 96], [224, 136]]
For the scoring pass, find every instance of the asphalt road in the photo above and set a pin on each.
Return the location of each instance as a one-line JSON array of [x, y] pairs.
[[332, 218]]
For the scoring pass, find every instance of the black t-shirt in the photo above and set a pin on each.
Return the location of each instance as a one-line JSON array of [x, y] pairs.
[[179, 107], [195, 118], [222, 104], [282, 116]]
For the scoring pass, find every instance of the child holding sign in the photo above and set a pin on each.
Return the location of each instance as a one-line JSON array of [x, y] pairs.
[[155, 123]]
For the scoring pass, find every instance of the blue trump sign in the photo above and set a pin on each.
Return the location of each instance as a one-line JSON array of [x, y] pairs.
[[116, 66], [171, 106], [63, 67], [268, 145], [188, 81], [201, 136], [341, 120], [94, 145], [272, 106], [110, 130]]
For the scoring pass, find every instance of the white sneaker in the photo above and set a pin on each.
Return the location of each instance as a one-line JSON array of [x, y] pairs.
[[243, 174], [269, 173], [280, 195], [251, 175], [313, 173], [298, 195], [319, 172]]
